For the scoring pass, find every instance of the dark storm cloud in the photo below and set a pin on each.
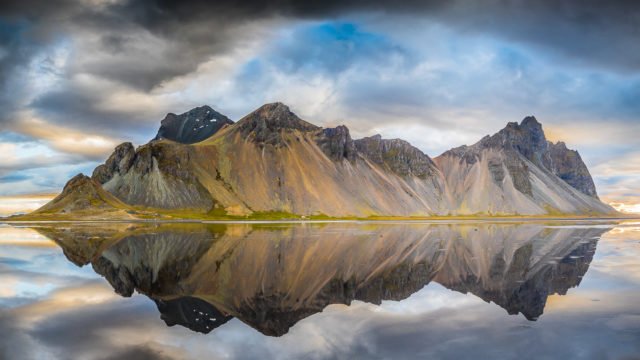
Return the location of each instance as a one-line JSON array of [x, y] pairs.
[[591, 30], [111, 69], [603, 32], [141, 44]]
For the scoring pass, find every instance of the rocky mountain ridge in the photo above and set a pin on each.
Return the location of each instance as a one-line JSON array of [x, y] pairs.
[[273, 161], [517, 170]]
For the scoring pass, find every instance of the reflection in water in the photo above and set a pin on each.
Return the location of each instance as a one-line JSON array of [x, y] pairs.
[[270, 277]]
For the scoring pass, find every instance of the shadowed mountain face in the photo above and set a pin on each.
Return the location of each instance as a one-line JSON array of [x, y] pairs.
[[270, 277], [193, 126]]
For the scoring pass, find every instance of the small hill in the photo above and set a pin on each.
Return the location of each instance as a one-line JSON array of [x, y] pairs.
[[82, 195]]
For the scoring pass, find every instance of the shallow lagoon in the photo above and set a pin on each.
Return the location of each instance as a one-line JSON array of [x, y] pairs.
[[564, 289]]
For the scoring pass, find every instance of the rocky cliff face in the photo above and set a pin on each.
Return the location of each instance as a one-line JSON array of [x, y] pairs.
[[397, 155], [568, 165], [528, 139], [159, 174], [193, 126], [118, 163], [272, 160]]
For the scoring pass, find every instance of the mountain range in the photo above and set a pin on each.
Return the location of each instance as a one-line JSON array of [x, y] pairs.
[[271, 162]]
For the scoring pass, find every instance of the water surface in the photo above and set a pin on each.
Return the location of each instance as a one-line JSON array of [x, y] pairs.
[[329, 290]]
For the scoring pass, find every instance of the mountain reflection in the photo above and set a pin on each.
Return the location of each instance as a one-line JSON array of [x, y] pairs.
[[272, 276]]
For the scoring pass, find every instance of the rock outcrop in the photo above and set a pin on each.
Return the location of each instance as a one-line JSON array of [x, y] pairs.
[[568, 166], [397, 155], [118, 163]]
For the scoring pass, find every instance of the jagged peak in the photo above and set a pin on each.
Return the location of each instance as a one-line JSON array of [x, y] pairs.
[[206, 110], [340, 129], [559, 144], [192, 126], [272, 117], [279, 113], [274, 107], [530, 121], [394, 141]]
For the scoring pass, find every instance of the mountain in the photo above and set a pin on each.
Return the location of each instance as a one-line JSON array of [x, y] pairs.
[[191, 271], [517, 171], [192, 126], [273, 162]]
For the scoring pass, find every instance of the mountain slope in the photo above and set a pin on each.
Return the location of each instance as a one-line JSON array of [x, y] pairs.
[[517, 171]]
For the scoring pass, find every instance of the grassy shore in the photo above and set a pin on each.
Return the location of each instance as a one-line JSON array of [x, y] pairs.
[[194, 216]]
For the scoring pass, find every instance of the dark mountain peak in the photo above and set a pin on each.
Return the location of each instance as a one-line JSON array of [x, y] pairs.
[[192, 126], [265, 124], [530, 122], [527, 138], [192, 313]]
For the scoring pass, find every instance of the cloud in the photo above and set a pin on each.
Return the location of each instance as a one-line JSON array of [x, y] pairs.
[[67, 139], [79, 76]]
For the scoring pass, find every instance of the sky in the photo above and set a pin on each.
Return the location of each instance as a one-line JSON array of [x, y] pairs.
[[78, 77]]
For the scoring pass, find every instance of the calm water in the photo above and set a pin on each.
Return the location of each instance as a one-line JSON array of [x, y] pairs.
[[561, 290]]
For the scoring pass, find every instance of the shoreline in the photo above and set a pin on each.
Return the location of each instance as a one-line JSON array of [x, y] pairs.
[[435, 220]]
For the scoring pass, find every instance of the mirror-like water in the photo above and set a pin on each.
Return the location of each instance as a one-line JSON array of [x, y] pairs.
[[329, 290]]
